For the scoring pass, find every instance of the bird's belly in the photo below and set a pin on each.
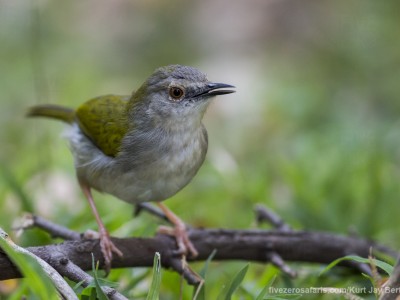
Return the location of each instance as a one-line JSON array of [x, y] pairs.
[[154, 182], [145, 180], [133, 188]]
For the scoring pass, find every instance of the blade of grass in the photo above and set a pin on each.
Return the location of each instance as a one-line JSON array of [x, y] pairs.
[[38, 281], [202, 273], [156, 281], [203, 270], [261, 295], [234, 284], [381, 264], [99, 291]]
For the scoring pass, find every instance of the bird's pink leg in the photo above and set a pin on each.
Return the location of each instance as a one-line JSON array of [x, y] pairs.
[[106, 245]]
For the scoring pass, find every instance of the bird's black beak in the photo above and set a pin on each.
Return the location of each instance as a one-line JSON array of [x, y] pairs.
[[214, 89]]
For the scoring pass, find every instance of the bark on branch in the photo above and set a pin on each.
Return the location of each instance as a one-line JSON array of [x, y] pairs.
[[249, 245], [278, 246]]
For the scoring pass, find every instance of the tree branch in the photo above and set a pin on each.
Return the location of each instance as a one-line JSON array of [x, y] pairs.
[[250, 245], [263, 214], [279, 246], [55, 230]]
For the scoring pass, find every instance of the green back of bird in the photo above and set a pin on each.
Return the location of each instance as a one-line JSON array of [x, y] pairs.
[[103, 120]]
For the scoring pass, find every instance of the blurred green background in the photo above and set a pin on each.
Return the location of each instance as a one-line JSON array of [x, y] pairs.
[[313, 131]]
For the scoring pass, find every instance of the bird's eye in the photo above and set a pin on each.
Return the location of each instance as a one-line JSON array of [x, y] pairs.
[[176, 93]]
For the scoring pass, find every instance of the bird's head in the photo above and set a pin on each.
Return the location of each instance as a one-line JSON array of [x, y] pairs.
[[175, 94]]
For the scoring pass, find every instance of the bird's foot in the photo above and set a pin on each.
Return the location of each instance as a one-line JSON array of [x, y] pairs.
[[107, 248], [185, 246]]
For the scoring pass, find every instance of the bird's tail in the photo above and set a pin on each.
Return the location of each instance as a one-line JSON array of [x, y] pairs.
[[52, 111]]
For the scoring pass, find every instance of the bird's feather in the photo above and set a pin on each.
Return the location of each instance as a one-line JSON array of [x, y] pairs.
[[53, 111], [104, 121]]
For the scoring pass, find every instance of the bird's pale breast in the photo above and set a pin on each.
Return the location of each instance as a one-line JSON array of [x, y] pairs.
[[155, 172]]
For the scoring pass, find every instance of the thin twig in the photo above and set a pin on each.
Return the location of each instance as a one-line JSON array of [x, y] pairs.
[[263, 214], [55, 230], [278, 262], [181, 266], [151, 209]]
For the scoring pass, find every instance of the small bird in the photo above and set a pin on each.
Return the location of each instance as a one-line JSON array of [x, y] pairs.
[[143, 147]]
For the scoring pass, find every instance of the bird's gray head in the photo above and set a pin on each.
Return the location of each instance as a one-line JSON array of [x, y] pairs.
[[176, 93]]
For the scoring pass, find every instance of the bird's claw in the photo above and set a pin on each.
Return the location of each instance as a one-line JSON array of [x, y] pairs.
[[185, 246], [107, 248]]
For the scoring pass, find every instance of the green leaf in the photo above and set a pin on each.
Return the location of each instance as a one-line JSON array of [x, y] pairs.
[[37, 280], [384, 256], [261, 295], [78, 285], [381, 264], [202, 273], [235, 283], [100, 294], [156, 281], [93, 294]]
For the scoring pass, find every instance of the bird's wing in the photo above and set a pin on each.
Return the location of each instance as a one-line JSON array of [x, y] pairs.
[[104, 121]]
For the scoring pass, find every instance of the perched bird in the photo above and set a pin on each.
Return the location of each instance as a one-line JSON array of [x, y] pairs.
[[143, 147]]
